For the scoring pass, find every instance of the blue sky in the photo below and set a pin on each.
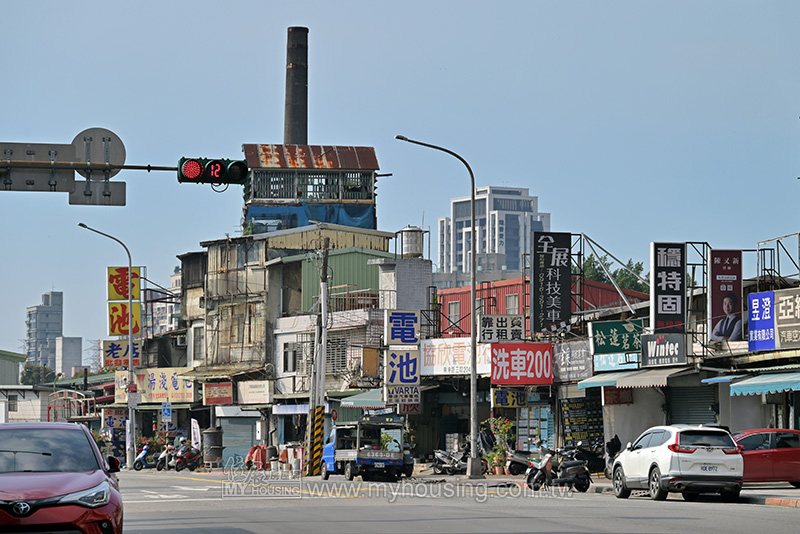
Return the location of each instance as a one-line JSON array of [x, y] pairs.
[[631, 121]]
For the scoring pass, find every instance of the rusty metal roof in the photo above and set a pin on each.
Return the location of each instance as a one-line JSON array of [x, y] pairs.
[[311, 157]]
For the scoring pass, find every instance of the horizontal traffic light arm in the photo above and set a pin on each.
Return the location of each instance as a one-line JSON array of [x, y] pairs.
[[77, 166]]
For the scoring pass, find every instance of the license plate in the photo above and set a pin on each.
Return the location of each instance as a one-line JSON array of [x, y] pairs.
[[381, 464], [708, 468]]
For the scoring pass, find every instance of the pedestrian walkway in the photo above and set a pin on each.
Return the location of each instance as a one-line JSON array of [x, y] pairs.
[[767, 493]]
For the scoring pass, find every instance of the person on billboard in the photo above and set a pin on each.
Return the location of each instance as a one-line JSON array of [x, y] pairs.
[[730, 327]]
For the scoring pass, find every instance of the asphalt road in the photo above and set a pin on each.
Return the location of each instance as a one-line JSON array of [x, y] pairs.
[[249, 502]]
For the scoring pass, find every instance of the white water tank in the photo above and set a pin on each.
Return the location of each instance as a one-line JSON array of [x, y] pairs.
[[413, 241]]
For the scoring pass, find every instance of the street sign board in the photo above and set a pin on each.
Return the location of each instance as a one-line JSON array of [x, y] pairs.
[[166, 412], [41, 179], [98, 145], [134, 399], [98, 193]]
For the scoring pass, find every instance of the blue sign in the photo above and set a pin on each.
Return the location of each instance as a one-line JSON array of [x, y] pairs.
[[619, 361], [761, 308]]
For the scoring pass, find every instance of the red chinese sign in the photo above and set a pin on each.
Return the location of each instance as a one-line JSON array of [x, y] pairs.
[[119, 282], [522, 364], [217, 393], [119, 318]]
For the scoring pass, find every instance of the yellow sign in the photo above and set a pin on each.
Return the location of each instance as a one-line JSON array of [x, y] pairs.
[[117, 279], [118, 318], [156, 385], [509, 398]]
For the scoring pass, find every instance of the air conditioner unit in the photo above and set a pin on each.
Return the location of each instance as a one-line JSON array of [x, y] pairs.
[[180, 341]]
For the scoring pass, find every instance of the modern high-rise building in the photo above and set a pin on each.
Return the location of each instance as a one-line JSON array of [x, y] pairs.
[[43, 324], [505, 217]]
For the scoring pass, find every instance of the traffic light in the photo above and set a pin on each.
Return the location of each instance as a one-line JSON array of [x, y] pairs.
[[212, 171]]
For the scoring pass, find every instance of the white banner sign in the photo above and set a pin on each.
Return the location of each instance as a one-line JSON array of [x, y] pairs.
[[451, 356]]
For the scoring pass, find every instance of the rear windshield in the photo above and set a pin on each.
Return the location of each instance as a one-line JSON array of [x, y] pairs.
[[705, 438], [45, 450]]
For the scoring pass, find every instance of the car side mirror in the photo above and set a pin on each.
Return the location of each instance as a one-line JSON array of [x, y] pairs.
[[629, 446], [113, 464]]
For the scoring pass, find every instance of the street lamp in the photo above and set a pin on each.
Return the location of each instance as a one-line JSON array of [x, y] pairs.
[[474, 464], [131, 449]]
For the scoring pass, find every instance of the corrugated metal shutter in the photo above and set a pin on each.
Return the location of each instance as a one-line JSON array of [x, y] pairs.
[[238, 435], [692, 405]]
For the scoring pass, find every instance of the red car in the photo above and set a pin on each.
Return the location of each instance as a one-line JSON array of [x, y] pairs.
[[53, 478], [770, 455]]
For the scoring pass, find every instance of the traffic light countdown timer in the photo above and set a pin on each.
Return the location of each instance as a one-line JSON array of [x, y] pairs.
[[211, 171]]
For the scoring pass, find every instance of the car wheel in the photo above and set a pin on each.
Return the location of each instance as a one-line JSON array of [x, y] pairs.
[[796, 484], [323, 471], [730, 496], [349, 471], [657, 493], [690, 496], [620, 491]]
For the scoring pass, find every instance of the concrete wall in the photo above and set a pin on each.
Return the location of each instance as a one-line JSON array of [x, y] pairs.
[[628, 421], [68, 354]]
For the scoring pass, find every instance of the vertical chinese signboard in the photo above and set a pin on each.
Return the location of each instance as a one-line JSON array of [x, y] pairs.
[[119, 283], [761, 326], [787, 318], [725, 295], [668, 288], [402, 364], [551, 282]]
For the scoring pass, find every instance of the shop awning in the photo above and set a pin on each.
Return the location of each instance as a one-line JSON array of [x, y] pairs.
[[605, 379], [214, 373], [369, 400], [767, 383], [720, 379], [651, 377]]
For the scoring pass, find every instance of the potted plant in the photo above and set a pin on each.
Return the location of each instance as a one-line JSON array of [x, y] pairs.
[[491, 460], [501, 427]]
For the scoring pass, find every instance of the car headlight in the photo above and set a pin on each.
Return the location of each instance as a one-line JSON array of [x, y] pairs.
[[91, 498]]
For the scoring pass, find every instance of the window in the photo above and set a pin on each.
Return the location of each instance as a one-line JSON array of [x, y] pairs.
[[702, 438], [289, 358], [12, 403], [512, 304], [198, 348], [787, 440], [45, 450], [755, 442], [454, 313], [643, 442]]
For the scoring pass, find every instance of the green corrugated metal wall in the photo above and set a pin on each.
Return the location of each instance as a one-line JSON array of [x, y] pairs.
[[348, 266]]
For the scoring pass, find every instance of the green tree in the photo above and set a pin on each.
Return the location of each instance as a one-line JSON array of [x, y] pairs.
[[626, 280], [593, 270], [33, 374]]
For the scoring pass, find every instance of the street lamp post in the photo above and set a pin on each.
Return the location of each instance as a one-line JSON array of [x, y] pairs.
[[131, 450], [474, 464]]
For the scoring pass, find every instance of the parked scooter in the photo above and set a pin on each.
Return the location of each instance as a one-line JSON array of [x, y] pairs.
[[187, 457], [518, 462], [569, 472], [612, 451], [594, 460], [166, 458], [141, 461]]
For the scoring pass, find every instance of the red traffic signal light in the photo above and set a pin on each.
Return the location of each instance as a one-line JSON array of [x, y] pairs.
[[212, 171]]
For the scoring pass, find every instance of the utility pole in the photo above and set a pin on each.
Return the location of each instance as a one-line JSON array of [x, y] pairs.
[[316, 394]]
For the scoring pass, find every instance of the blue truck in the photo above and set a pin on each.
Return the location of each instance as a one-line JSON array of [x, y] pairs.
[[357, 449]]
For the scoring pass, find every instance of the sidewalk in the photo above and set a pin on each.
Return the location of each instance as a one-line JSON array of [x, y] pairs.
[[767, 493]]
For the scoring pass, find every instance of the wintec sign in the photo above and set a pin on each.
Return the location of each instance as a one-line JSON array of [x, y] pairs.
[[663, 349]]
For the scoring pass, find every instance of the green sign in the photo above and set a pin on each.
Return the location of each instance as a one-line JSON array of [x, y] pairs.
[[610, 337]]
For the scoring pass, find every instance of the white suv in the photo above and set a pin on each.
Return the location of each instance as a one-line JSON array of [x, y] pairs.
[[690, 459]]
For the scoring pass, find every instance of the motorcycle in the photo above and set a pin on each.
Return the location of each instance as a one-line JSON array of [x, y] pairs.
[[187, 457], [569, 472], [454, 462], [612, 450], [165, 459], [141, 462], [518, 462], [594, 461]]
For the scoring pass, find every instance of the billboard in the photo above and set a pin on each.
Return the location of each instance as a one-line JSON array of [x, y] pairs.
[[761, 324], [663, 349], [522, 364], [551, 281], [668, 288], [725, 295]]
